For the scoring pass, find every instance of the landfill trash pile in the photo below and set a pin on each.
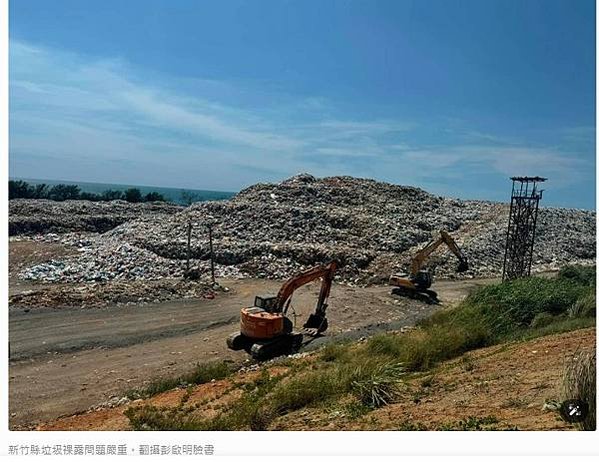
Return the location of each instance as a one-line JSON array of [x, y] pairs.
[[276, 230], [102, 258], [34, 216], [97, 294]]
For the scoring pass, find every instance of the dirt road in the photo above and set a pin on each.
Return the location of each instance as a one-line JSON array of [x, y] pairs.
[[66, 360]]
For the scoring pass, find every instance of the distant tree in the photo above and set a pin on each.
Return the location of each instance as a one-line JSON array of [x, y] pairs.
[[112, 195], [63, 192], [154, 197], [41, 191], [133, 195], [87, 196], [188, 197], [18, 189]]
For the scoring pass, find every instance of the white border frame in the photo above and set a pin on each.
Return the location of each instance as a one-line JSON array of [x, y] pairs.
[[547, 443]]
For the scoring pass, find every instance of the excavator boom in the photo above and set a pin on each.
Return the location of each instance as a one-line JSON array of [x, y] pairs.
[[422, 255], [326, 272]]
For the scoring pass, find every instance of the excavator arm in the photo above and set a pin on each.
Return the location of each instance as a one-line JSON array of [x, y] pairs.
[[453, 246], [317, 319], [326, 272], [424, 253]]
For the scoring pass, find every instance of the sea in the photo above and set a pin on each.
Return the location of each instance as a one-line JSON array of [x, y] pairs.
[[175, 195]]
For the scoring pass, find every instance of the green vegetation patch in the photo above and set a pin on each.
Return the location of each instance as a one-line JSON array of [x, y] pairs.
[[202, 373]]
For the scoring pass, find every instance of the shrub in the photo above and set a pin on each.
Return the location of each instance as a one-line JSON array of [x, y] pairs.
[[204, 373], [112, 195], [514, 304], [41, 191], [585, 275], [304, 390], [18, 189], [380, 386], [541, 320], [434, 341], [133, 195], [63, 192], [558, 325], [584, 307], [154, 197], [86, 196], [580, 382], [334, 352], [149, 417]]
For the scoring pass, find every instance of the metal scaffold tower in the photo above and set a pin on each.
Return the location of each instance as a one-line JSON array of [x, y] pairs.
[[522, 225]]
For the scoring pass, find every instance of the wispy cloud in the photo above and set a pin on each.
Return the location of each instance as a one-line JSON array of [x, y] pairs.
[[77, 117]]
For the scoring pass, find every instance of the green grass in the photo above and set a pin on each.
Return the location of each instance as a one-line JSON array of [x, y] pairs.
[[542, 320], [202, 373], [515, 310], [585, 306], [559, 325], [375, 373], [585, 275]]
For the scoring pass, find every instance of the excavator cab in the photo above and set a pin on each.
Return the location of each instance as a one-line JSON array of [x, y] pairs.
[[423, 279], [266, 302]]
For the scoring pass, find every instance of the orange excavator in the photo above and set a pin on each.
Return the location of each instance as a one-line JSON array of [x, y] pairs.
[[266, 330], [418, 281]]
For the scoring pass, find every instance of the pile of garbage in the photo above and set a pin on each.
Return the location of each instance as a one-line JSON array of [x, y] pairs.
[[275, 230], [99, 294], [35, 216]]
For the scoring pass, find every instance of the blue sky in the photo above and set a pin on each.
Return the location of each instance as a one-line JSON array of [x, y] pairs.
[[451, 96]]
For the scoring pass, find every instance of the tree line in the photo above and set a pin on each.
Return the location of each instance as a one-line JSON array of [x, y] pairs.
[[18, 189]]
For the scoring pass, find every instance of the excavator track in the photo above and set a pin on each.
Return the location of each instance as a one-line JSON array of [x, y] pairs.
[[427, 296], [285, 344]]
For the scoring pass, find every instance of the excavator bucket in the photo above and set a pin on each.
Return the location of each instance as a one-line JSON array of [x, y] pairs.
[[316, 324]]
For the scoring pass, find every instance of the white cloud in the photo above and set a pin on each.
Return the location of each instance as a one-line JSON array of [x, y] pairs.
[[72, 112]]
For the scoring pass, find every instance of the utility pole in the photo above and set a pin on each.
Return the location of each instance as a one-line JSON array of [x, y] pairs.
[[188, 246], [211, 253]]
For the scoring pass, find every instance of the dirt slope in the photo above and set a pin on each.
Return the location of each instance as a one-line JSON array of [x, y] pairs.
[[508, 383]]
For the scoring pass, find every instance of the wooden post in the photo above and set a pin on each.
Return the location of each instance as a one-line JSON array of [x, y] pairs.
[[211, 254], [188, 246]]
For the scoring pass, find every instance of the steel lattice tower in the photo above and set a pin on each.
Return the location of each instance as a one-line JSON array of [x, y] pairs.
[[522, 225]]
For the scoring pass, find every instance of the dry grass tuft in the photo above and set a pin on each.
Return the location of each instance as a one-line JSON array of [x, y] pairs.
[[580, 382]]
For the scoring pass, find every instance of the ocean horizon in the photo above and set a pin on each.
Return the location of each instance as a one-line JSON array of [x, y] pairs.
[[171, 194]]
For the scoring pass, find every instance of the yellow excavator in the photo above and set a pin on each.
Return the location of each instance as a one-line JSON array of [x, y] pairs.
[[419, 281]]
